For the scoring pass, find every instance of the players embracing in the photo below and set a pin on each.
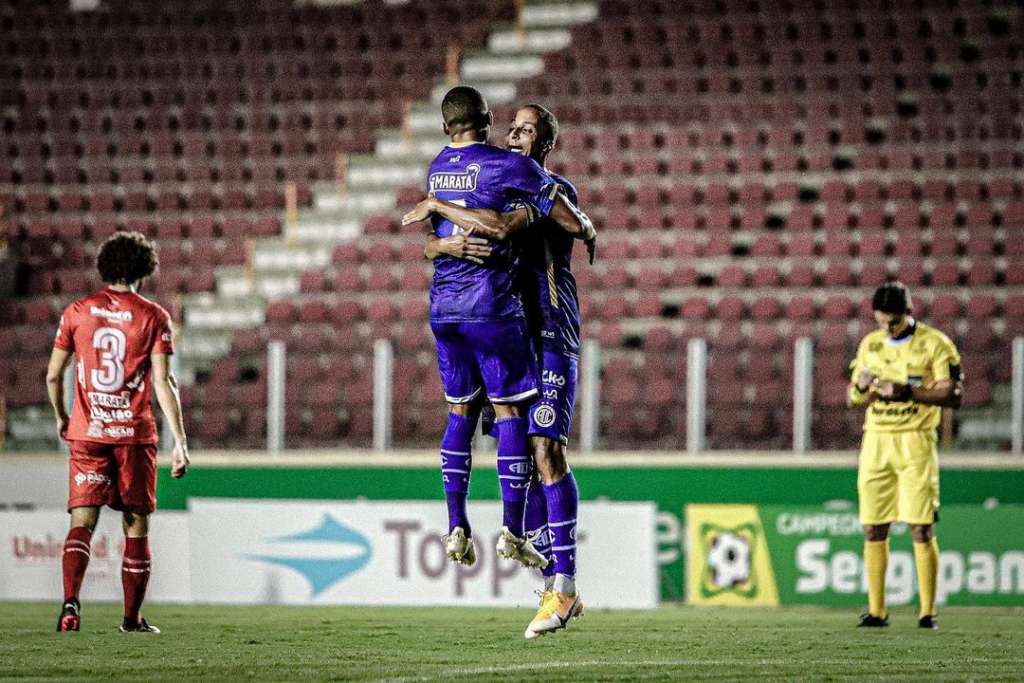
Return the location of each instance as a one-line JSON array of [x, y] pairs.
[[542, 228]]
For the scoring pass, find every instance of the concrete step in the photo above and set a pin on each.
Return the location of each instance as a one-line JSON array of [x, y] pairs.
[[547, 14], [535, 41], [198, 347], [240, 282], [372, 172], [209, 312], [486, 67], [496, 91], [421, 147], [271, 255], [356, 202], [326, 226]]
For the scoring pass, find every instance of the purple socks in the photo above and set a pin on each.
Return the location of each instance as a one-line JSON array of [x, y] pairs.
[[537, 524], [562, 499], [513, 470], [456, 464]]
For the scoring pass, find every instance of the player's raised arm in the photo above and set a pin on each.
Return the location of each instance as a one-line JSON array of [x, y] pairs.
[[167, 395], [575, 222], [463, 246], [59, 359], [487, 222]]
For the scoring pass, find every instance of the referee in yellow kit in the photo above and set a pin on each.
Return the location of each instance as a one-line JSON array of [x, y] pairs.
[[905, 372]]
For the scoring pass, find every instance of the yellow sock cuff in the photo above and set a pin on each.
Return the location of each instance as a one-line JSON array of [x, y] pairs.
[[876, 563], [926, 560]]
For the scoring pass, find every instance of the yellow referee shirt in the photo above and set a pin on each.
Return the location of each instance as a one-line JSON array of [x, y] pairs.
[[920, 359]]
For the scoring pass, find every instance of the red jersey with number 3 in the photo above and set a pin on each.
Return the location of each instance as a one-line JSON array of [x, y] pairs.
[[112, 335]]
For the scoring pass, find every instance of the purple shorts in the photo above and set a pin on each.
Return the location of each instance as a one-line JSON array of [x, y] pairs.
[[493, 357], [551, 415]]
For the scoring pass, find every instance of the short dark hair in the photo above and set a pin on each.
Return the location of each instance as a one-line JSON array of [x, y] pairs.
[[126, 257], [464, 108], [892, 297], [548, 121]]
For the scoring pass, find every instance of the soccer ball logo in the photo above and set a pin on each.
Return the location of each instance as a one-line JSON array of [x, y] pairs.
[[729, 560]]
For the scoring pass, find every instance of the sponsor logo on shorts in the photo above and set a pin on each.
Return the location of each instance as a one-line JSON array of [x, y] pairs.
[[544, 415], [91, 478], [113, 316]]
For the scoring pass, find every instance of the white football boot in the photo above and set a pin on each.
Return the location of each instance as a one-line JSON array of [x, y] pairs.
[[519, 549], [459, 547]]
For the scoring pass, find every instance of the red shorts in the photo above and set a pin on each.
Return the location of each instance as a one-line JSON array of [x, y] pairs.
[[121, 476]]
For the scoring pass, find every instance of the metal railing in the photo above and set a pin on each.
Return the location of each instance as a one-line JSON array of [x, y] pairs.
[[589, 391]]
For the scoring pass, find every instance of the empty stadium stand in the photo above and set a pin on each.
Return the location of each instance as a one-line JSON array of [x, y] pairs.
[[755, 169]]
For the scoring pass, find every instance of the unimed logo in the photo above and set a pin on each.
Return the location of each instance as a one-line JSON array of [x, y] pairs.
[[47, 547]]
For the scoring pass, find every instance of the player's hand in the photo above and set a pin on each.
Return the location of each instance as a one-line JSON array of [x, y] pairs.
[[894, 391], [62, 427], [179, 460], [865, 379], [591, 249], [421, 212], [465, 246]]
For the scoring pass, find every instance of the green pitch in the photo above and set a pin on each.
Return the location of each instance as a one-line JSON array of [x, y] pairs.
[[441, 644]]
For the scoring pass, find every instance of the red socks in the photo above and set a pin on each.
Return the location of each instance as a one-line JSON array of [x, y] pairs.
[[75, 560], [135, 576]]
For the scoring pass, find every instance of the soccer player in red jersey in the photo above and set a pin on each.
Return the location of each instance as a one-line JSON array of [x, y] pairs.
[[123, 343]]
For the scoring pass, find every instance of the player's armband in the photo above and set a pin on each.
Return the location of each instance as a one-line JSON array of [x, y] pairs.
[[544, 200], [532, 214]]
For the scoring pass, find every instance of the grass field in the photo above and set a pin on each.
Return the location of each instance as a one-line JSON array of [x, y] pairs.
[[442, 644]]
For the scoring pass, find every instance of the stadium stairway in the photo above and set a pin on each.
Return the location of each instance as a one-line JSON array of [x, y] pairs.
[[366, 200]]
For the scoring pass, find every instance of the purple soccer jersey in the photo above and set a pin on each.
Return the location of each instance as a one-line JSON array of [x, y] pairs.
[[553, 316], [475, 310], [479, 176], [547, 283]]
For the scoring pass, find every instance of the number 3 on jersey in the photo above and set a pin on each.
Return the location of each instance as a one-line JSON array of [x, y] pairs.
[[113, 345]]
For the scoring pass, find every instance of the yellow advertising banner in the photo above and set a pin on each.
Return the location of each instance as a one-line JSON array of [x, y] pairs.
[[728, 562]]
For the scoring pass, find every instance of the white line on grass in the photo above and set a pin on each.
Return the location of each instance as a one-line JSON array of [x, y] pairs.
[[586, 664]]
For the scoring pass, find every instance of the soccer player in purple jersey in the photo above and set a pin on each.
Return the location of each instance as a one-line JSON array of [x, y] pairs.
[[476, 314], [552, 311]]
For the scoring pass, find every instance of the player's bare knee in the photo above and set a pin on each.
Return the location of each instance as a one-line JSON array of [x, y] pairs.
[[549, 456], [468, 409], [504, 410], [86, 517], [876, 532], [922, 533], [135, 524]]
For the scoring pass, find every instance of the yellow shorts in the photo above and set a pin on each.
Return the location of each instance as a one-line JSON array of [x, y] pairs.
[[898, 477]]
